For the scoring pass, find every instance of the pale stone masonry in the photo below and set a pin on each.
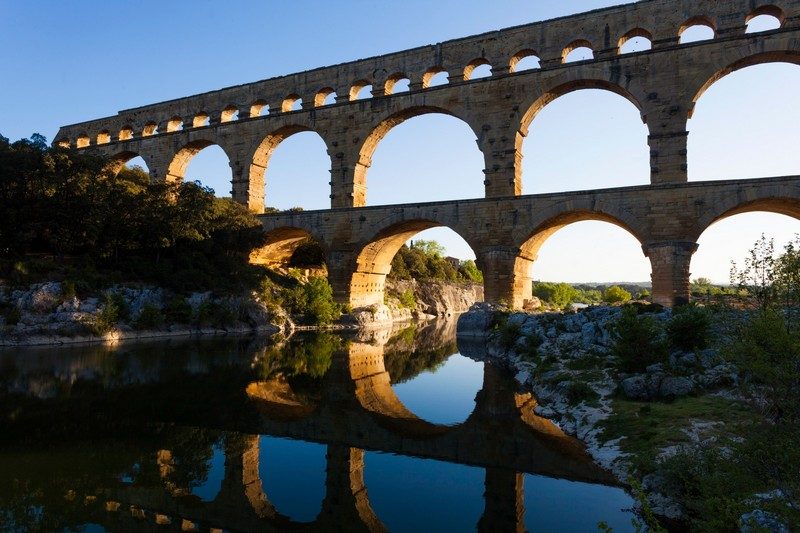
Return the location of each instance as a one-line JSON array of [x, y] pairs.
[[663, 83]]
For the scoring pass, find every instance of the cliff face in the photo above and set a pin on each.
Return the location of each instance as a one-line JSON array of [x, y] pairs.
[[436, 298]]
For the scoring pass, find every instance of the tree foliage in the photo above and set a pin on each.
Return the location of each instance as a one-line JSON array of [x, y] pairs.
[[424, 261]]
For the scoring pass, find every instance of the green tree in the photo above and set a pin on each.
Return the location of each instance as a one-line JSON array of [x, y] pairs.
[[616, 294]]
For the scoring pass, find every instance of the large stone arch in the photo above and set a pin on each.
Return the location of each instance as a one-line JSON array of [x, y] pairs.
[[118, 161], [261, 155], [280, 243], [180, 161], [533, 107], [529, 243], [781, 203], [379, 130], [373, 258]]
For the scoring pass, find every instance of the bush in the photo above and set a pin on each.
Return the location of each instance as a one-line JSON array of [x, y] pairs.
[[114, 309], [689, 328], [616, 294], [178, 311], [12, 316], [151, 317], [408, 300], [312, 302], [578, 391], [216, 314], [638, 341]]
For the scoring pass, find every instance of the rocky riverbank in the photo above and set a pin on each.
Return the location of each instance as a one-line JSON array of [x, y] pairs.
[[568, 362]]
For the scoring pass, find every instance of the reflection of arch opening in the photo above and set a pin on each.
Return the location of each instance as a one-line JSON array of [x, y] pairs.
[[326, 96], [478, 68], [529, 250], [316, 194], [524, 60], [433, 143], [765, 18], [636, 40], [578, 50], [730, 236], [697, 29], [374, 261], [397, 83], [639, 171], [719, 148], [435, 76], [361, 90]]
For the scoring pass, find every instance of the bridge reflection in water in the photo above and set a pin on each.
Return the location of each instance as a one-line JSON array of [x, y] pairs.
[[150, 478]]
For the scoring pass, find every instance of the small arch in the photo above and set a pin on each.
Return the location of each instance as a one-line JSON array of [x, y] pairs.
[[326, 96], [126, 133], [293, 102], [229, 114], [281, 244], [180, 162], [526, 59], [201, 120], [700, 28], [765, 18], [477, 68], [82, 141], [397, 83], [118, 161], [259, 108], [63, 143], [435, 76], [104, 137], [151, 128], [578, 50], [361, 90], [174, 124], [636, 40]]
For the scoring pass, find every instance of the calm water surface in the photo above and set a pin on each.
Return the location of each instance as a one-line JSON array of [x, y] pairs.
[[388, 431]]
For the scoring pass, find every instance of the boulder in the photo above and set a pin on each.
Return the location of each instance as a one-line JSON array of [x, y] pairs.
[[759, 520], [635, 387], [675, 387]]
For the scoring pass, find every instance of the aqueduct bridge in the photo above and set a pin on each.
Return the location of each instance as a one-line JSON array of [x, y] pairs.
[[504, 229]]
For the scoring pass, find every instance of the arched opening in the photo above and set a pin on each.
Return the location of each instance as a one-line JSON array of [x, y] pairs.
[[299, 169], [151, 128], [174, 124], [397, 83], [732, 236], [326, 96], [587, 250], [292, 474], [524, 60], [580, 50], [132, 164], [765, 18], [361, 90], [63, 143], [434, 157], [103, 137], [201, 120], [427, 259], [82, 141], [259, 108], [290, 247], [720, 148], [292, 103], [229, 114], [126, 133], [636, 40], [697, 29], [605, 144], [204, 162], [477, 68], [435, 76]]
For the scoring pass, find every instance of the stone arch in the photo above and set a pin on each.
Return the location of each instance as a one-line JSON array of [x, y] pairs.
[[519, 56], [82, 141], [151, 128], [528, 244], [118, 161], [263, 152], [291, 102], [373, 260], [104, 137], [174, 124], [533, 109], [699, 20], [632, 34], [472, 65], [281, 243], [429, 74], [378, 132], [574, 45], [229, 114], [775, 56], [392, 81], [768, 11], [177, 167], [259, 108], [126, 133], [779, 203], [357, 88], [322, 96]]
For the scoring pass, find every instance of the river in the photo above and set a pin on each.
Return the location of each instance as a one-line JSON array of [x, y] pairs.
[[401, 430]]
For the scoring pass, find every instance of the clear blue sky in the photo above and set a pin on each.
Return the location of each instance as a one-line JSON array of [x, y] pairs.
[[66, 62]]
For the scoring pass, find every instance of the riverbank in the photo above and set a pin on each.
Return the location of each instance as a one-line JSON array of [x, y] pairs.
[[635, 422]]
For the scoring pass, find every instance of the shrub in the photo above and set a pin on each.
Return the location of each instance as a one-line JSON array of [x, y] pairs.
[[509, 333], [638, 341], [178, 311], [216, 314], [12, 316], [689, 328], [151, 317], [578, 391], [312, 302], [408, 300], [114, 309], [616, 294]]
